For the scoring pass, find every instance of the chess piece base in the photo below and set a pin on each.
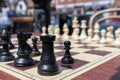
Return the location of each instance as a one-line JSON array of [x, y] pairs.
[[67, 60], [48, 70], [23, 62], [6, 57]]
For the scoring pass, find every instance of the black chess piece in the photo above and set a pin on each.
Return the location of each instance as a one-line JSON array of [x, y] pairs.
[[67, 59], [24, 51], [10, 44], [35, 51], [5, 55], [48, 64]]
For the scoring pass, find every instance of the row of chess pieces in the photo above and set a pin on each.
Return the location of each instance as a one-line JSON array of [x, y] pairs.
[[92, 34], [47, 65]]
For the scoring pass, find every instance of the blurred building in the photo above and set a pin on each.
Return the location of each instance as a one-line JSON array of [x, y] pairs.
[[117, 3], [82, 6]]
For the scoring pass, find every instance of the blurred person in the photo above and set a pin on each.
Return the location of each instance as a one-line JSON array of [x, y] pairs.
[[21, 7], [5, 20], [44, 5], [12, 6]]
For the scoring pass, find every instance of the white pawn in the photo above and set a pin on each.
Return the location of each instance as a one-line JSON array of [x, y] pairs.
[[76, 34], [83, 35], [65, 26], [89, 39], [117, 40], [75, 23], [65, 35], [103, 39], [43, 30], [96, 37], [50, 32], [109, 35], [57, 33], [74, 26]]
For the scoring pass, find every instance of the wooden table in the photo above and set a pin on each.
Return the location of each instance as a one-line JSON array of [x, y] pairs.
[[21, 21]]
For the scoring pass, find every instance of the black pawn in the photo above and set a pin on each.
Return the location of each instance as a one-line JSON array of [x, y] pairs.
[[24, 51], [48, 64], [35, 51], [10, 44], [67, 59], [5, 55]]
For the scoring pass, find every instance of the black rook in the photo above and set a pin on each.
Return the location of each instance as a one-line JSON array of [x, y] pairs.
[[48, 64]]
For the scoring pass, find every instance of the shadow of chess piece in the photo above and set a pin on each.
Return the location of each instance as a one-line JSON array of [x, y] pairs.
[[67, 59], [5, 55], [35, 51], [24, 51], [48, 64]]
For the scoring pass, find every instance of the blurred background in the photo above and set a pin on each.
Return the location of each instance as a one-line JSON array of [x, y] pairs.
[[61, 11]]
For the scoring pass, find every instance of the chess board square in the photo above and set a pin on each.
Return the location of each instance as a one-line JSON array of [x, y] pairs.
[[98, 52], [88, 47], [87, 57], [6, 76], [59, 47], [113, 46], [61, 53], [58, 42], [24, 68], [77, 63], [109, 49]]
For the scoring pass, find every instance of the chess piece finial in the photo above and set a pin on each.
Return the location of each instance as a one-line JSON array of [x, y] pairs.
[[67, 59]]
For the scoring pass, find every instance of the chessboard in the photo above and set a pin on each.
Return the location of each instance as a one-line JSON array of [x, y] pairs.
[[86, 56]]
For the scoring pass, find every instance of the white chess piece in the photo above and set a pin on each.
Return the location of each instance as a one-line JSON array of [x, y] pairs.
[[96, 37], [65, 35], [103, 39], [83, 35], [117, 40], [89, 39], [65, 26], [74, 26], [76, 34], [50, 32], [75, 23], [109, 35], [43, 30], [57, 33]]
